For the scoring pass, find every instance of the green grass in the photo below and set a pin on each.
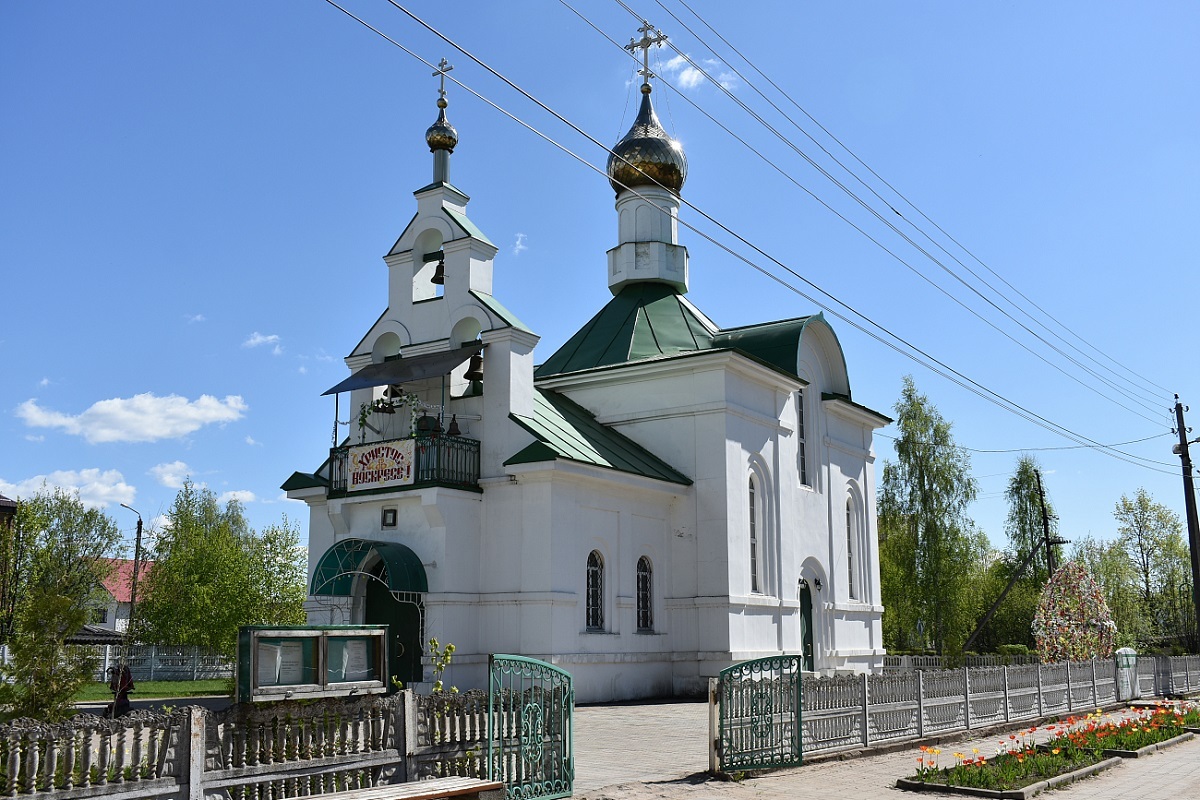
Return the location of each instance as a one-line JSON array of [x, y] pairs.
[[97, 691]]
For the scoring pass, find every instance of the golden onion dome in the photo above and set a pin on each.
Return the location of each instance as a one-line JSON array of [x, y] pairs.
[[441, 134], [647, 156]]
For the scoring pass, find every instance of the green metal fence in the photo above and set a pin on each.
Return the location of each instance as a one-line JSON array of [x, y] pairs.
[[530, 708], [759, 725]]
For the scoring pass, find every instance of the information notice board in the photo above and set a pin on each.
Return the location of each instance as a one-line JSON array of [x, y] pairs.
[[281, 663]]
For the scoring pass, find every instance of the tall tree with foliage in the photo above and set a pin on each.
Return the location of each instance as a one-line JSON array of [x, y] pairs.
[[279, 573], [57, 584], [1109, 563], [212, 574], [931, 546], [1145, 529]]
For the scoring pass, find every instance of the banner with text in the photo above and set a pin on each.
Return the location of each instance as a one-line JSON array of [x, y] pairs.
[[375, 466]]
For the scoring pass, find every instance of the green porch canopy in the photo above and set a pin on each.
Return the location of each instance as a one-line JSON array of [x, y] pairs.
[[334, 575]]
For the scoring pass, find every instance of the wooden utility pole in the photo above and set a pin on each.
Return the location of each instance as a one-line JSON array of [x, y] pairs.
[[1189, 504], [1051, 561]]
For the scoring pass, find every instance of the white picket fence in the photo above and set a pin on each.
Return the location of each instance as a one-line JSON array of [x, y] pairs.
[[150, 662]]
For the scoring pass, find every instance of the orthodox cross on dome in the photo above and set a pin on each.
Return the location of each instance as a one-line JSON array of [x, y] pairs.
[[443, 67], [644, 44]]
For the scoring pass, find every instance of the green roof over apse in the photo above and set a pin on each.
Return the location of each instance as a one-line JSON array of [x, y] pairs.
[[644, 320], [566, 430], [776, 344], [335, 571]]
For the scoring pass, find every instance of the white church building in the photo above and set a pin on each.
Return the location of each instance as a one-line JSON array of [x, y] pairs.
[[657, 499]]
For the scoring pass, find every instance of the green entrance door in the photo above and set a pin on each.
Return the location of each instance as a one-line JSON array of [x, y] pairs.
[[404, 622], [806, 627]]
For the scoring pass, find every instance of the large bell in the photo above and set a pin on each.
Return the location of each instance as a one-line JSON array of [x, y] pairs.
[[439, 274], [475, 369]]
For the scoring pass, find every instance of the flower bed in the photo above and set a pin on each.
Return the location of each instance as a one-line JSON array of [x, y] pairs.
[[1077, 747]]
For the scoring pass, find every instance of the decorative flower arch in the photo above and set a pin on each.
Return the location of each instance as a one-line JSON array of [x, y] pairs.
[[1073, 622]]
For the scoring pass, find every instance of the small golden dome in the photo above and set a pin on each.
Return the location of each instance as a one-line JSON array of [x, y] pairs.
[[441, 135], [647, 156]]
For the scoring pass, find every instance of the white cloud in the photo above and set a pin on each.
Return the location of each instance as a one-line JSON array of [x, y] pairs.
[[283, 498], [277, 350], [171, 475], [687, 76], [96, 488], [303, 370], [34, 437], [519, 245], [141, 418], [241, 495], [250, 440], [194, 318], [160, 523], [255, 339], [43, 383], [323, 356]]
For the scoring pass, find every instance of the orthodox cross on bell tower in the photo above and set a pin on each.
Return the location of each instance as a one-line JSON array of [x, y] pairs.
[[644, 44], [443, 67]]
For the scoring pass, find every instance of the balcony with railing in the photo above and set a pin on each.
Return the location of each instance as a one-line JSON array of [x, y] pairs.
[[414, 462]]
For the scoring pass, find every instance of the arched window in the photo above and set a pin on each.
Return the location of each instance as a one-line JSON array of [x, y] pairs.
[[595, 591], [850, 550], [755, 583], [645, 595], [801, 440]]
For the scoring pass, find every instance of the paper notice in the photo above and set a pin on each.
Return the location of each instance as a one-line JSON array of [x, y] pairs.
[[268, 664], [354, 660], [291, 663]]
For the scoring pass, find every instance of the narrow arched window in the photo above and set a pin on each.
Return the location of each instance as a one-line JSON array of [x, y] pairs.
[[595, 591], [850, 549], [645, 595], [801, 440], [755, 584]]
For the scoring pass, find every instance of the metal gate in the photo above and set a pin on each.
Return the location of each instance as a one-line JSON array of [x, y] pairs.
[[759, 726], [530, 707]]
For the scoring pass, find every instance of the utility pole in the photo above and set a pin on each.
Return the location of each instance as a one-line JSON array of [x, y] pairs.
[[1051, 562], [1189, 504]]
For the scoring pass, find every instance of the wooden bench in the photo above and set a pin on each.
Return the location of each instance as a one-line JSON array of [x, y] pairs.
[[435, 789]]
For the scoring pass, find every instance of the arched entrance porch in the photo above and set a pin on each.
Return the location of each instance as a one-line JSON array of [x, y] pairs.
[[389, 580]]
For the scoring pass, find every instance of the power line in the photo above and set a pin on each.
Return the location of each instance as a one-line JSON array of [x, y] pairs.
[[1045, 449], [899, 194], [881, 218], [886, 337]]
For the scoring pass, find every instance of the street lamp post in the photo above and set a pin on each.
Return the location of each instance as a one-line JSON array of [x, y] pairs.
[[137, 558]]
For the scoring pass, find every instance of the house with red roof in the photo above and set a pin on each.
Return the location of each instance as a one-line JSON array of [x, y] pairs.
[[119, 584]]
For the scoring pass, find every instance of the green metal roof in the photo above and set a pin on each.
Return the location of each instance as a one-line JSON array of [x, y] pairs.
[[776, 344], [468, 227], [566, 430], [644, 320], [494, 305], [304, 480], [334, 575]]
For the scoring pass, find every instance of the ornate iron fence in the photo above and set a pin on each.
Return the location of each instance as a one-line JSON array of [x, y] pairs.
[[759, 726], [749, 728], [530, 718]]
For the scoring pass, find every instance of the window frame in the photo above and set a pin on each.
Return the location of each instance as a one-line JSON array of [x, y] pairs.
[[644, 601], [594, 593], [755, 550]]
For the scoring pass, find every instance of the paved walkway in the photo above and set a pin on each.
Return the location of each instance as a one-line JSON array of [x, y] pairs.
[[651, 751]]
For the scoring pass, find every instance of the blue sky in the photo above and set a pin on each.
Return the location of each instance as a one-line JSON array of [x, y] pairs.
[[195, 199]]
